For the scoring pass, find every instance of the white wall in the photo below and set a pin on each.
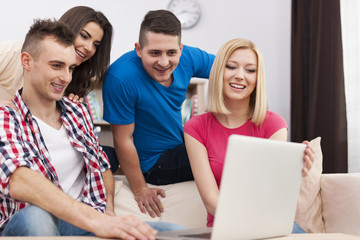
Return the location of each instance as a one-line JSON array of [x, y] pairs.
[[267, 23]]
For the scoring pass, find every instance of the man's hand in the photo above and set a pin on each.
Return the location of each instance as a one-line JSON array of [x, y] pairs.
[[148, 200], [125, 227]]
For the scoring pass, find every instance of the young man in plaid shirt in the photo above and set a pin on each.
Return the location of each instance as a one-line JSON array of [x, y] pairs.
[[54, 177]]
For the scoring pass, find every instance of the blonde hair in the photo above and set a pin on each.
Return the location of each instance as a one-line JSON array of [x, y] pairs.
[[258, 107]]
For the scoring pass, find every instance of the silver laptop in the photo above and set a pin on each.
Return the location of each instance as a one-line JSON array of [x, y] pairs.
[[259, 191]]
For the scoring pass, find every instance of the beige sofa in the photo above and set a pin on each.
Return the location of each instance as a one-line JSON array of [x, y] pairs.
[[327, 202]]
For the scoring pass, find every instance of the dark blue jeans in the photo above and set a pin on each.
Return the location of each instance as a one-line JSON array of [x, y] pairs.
[[173, 166]]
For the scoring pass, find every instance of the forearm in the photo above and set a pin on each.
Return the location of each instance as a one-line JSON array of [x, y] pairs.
[[29, 186], [109, 187], [130, 165], [203, 175]]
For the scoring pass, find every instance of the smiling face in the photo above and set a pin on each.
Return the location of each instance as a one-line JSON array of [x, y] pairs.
[[87, 41], [240, 75], [160, 56], [49, 73]]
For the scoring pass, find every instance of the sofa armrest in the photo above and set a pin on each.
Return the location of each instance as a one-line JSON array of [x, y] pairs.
[[182, 204], [340, 195]]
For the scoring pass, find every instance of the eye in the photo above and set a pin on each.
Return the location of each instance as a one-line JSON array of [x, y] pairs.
[[71, 69], [84, 35], [154, 53], [231, 67], [251, 70], [96, 45], [56, 66], [172, 53]]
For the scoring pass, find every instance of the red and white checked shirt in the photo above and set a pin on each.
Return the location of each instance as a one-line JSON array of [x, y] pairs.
[[21, 144]]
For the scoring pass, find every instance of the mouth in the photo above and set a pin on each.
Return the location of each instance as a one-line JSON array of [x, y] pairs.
[[58, 87], [237, 86], [80, 54], [162, 70]]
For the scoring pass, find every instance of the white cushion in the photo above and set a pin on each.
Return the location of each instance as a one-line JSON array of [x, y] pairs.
[[182, 204], [341, 202], [309, 208]]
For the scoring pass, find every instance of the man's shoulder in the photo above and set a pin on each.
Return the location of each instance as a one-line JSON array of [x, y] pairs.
[[194, 55], [128, 59], [70, 105]]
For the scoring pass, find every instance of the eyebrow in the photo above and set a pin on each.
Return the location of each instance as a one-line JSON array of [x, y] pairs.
[[83, 29], [57, 61], [61, 63]]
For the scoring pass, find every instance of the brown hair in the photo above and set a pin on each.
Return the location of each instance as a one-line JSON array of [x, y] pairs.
[[43, 28], [159, 21], [93, 71]]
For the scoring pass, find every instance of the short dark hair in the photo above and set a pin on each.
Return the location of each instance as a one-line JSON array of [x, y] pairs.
[[92, 71], [42, 28], [159, 21]]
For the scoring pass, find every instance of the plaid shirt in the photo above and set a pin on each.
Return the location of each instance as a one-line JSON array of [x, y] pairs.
[[21, 144]]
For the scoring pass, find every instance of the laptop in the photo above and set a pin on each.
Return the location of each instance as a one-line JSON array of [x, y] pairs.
[[259, 191]]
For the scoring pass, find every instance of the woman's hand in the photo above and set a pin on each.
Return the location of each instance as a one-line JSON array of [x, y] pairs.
[[308, 158], [75, 98]]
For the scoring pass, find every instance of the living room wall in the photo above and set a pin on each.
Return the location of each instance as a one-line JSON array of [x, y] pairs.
[[267, 23]]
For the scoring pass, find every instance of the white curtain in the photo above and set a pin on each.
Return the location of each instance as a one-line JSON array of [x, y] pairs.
[[350, 26]]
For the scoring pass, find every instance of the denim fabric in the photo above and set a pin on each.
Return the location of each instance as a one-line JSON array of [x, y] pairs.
[[173, 166], [166, 226], [34, 221], [297, 229]]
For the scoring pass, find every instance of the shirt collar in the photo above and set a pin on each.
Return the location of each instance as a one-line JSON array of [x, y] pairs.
[[25, 111]]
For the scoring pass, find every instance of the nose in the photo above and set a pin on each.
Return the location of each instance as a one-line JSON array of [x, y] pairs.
[[89, 46], [163, 60], [66, 76], [240, 73]]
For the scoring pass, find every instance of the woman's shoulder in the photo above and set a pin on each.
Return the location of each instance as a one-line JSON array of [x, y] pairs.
[[198, 120], [272, 118]]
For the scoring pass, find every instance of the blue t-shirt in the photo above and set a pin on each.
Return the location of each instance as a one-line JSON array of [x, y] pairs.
[[131, 95]]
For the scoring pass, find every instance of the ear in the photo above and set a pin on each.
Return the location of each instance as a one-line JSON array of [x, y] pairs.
[[181, 47], [26, 60], [138, 49]]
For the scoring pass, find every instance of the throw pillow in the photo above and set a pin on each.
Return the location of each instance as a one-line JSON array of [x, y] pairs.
[[309, 208], [340, 195]]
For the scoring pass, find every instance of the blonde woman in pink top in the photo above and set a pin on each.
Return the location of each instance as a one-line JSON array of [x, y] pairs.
[[236, 105]]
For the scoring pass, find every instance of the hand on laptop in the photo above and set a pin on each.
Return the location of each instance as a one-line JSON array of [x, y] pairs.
[[148, 201], [124, 227], [308, 158]]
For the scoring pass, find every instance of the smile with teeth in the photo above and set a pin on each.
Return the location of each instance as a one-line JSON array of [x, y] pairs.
[[237, 86], [80, 54], [57, 86], [162, 69]]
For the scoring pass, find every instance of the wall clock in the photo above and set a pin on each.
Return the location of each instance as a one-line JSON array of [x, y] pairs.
[[187, 11]]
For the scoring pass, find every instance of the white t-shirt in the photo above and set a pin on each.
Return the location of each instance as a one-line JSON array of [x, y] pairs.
[[68, 163]]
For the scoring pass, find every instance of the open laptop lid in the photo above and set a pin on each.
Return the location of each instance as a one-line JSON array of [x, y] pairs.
[[259, 188], [259, 191]]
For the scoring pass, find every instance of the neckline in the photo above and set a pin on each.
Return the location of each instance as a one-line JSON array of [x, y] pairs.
[[219, 123]]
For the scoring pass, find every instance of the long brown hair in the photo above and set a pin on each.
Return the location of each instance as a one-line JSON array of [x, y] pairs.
[[93, 71]]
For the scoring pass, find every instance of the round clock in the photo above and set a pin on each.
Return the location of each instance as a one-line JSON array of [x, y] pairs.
[[187, 11]]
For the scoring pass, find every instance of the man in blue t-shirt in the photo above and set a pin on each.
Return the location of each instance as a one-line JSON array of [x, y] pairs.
[[143, 93]]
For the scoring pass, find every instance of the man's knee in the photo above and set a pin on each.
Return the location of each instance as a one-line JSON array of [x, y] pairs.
[[32, 221]]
